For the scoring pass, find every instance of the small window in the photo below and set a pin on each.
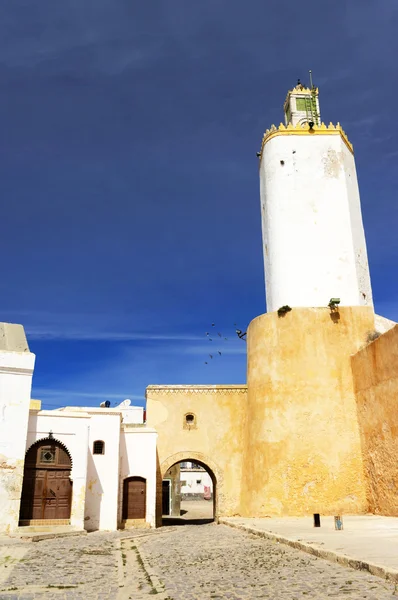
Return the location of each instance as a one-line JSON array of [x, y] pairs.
[[47, 454], [198, 481], [189, 421], [99, 447]]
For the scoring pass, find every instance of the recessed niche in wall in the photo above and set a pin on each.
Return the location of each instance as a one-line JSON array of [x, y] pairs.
[[189, 421]]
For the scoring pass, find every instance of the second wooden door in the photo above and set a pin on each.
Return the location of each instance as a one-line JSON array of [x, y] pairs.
[[134, 498]]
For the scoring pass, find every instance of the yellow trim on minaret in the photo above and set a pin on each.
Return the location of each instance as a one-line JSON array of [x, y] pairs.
[[35, 405], [304, 129]]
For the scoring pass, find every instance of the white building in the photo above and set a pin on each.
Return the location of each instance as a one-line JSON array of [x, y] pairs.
[[90, 468], [195, 482]]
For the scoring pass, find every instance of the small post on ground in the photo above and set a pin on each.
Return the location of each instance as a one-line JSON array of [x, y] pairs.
[[338, 522]]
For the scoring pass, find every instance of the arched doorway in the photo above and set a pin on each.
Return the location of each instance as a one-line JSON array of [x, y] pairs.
[[134, 498], [47, 487], [189, 491]]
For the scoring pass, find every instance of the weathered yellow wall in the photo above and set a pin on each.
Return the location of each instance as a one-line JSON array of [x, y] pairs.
[[35, 405], [217, 440], [375, 370], [175, 502], [303, 451]]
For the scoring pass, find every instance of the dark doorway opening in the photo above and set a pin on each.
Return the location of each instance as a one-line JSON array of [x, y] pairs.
[[166, 491]]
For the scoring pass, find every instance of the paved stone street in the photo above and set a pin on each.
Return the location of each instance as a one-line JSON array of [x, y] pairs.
[[187, 562]]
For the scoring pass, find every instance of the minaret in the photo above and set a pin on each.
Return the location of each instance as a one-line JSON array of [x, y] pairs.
[[313, 237], [302, 106]]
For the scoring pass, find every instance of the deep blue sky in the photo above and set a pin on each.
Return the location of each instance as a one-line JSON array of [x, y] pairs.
[[130, 212]]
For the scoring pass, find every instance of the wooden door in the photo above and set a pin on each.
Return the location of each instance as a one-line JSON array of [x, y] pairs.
[[57, 495], [47, 488], [134, 498]]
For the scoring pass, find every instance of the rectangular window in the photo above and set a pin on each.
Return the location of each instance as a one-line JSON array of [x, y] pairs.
[[198, 481]]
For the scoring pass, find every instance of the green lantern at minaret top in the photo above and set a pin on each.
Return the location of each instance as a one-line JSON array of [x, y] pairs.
[[302, 105]]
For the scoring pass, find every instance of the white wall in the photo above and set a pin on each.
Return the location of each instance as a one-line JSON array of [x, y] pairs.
[[313, 238], [138, 459], [191, 477], [133, 414], [72, 429], [16, 370], [103, 472]]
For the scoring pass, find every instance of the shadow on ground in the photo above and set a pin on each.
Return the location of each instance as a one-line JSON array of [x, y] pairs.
[[182, 521]]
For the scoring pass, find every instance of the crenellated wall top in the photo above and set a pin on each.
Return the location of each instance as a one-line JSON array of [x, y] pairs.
[[300, 89], [304, 129], [195, 389]]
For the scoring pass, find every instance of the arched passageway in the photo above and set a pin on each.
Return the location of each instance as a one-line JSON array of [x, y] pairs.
[[189, 493], [47, 487]]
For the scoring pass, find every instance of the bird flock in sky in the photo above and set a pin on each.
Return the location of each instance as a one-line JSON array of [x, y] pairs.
[[218, 338]]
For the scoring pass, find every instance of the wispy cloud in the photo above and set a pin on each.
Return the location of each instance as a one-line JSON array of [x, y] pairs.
[[40, 333], [45, 392], [232, 347], [78, 326]]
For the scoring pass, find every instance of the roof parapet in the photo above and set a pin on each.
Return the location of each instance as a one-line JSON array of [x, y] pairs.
[[304, 129]]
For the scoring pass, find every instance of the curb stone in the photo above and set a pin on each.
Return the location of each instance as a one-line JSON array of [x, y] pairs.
[[330, 555], [120, 566], [123, 575], [40, 537], [156, 583]]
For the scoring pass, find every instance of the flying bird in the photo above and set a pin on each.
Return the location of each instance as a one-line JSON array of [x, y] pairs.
[[211, 356], [212, 324], [219, 353]]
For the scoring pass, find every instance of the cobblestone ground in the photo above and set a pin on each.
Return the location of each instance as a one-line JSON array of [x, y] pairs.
[[176, 563], [71, 568]]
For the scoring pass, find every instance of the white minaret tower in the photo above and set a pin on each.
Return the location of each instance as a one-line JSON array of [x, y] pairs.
[[313, 238]]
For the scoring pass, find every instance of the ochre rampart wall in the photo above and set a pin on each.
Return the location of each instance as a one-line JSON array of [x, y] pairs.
[[375, 370], [302, 450]]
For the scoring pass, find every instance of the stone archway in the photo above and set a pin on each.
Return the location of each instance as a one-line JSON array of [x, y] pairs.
[[213, 469]]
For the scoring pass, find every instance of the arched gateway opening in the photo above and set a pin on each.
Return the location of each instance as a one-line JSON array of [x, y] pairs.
[[189, 491], [47, 487]]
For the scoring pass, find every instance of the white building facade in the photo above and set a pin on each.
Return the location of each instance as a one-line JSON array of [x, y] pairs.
[[83, 467], [195, 482]]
